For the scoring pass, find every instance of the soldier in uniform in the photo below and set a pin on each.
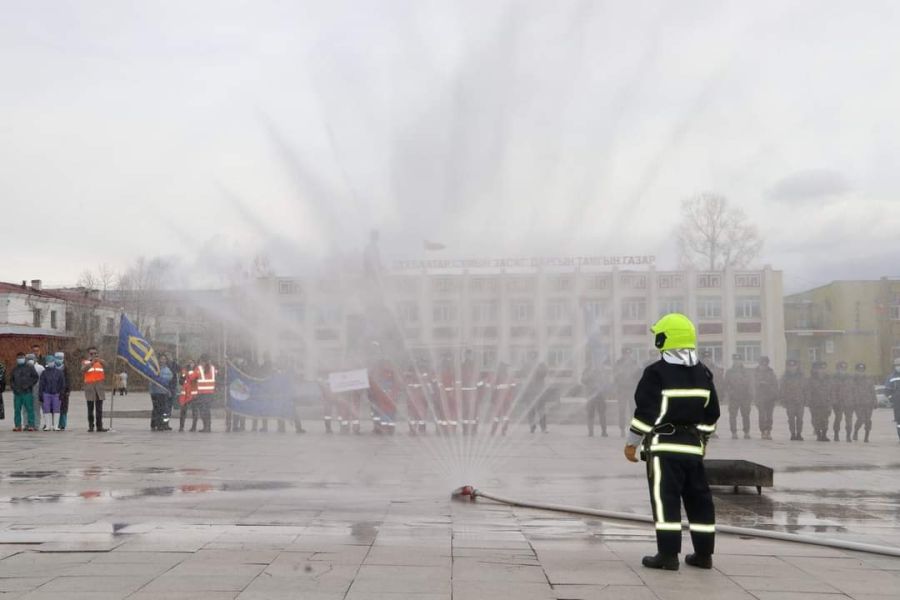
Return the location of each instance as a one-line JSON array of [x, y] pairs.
[[468, 393], [416, 399], [819, 399], [535, 398], [737, 388], [864, 401], [793, 393], [841, 389], [626, 374], [329, 402], [502, 393], [892, 386], [595, 399], [765, 392]]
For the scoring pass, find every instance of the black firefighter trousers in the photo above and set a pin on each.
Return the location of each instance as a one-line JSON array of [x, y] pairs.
[[675, 479]]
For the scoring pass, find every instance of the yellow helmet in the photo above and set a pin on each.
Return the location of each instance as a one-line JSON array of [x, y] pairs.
[[674, 331]]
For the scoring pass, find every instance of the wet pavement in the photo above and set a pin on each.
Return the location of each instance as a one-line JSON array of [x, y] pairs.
[[133, 514]]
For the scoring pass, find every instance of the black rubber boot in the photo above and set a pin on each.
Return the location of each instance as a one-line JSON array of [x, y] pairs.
[[701, 561], [661, 561]]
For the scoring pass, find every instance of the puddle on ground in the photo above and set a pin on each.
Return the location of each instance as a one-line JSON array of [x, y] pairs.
[[150, 492]]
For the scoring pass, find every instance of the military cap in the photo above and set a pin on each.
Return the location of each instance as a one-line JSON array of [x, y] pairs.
[[860, 366]]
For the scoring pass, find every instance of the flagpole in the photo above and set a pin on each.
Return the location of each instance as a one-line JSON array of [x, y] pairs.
[[112, 402]]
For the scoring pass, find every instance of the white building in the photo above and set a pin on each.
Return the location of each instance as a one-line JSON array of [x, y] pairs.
[[563, 315]]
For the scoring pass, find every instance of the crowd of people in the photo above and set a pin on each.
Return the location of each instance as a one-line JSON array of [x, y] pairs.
[[458, 396]]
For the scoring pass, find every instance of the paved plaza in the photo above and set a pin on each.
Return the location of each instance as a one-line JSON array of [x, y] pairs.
[[139, 515]]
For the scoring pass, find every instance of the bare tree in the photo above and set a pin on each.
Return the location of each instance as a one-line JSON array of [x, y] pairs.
[[713, 235], [101, 279], [140, 286]]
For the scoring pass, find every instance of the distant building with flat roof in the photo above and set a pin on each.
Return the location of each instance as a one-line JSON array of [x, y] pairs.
[[852, 321]]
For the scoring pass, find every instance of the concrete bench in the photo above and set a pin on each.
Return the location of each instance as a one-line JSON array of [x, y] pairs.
[[737, 473]]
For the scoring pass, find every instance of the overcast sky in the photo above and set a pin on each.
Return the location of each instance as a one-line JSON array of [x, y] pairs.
[[208, 129]]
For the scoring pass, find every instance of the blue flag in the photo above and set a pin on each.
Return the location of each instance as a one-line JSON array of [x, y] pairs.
[[137, 351], [254, 397]]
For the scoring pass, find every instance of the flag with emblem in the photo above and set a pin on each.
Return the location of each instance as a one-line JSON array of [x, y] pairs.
[[137, 351]]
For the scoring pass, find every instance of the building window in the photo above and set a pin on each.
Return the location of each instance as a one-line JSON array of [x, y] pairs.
[[598, 282], [520, 284], [329, 315], [709, 307], [561, 283], [641, 353], [36, 317], [443, 312], [295, 313], [486, 358], [709, 280], [749, 351], [747, 280], [715, 350], [483, 284], [408, 313], [671, 304], [53, 323], [595, 310], [813, 353], [559, 357], [485, 311], [558, 310], [634, 281], [747, 307], [445, 285], [521, 310], [110, 325], [288, 287], [669, 281], [522, 356], [634, 309], [895, 312], [70, 321]]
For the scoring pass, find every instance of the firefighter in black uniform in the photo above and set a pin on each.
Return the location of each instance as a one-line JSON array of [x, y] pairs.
[[676, 412]]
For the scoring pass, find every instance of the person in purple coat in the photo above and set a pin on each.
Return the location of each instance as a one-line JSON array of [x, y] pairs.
[[51, 386]]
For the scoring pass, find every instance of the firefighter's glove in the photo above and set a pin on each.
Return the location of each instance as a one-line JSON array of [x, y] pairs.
[[631, 453]]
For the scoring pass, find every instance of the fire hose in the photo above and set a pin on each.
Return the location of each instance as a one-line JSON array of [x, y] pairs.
[[472, 493]]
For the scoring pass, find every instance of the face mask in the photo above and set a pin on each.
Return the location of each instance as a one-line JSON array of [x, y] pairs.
[[59, 364], [20, 361], [31, 363]]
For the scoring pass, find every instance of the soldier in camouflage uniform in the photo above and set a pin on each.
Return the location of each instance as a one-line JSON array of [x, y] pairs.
[[765, 394], [794, 397], [740, 400], [864, 401], [820, 400], [842, 400]]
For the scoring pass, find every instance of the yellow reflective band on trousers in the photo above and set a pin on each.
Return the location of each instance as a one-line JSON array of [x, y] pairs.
[[664, 526], [706, 428], [657, 494], [677, 448], [688, 393], [641, 426], [702, 528]]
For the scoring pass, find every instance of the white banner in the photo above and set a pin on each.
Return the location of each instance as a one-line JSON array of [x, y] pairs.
[[348, 381]]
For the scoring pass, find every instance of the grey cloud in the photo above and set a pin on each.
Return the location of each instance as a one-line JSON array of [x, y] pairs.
[[810, 185]]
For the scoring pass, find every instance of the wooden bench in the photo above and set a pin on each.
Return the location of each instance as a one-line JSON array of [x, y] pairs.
[[737, 473]]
